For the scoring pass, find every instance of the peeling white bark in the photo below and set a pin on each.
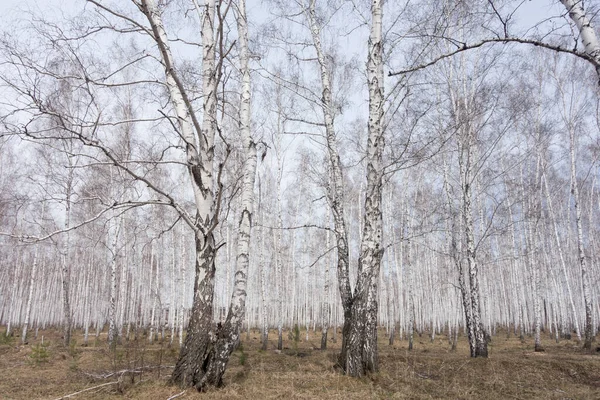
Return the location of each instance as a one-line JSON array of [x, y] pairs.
[[230, 332], [199, 146], [589, 39], [360, 354]]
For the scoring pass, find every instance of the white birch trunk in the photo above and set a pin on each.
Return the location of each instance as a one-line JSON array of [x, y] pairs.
[[153, 274], [182, 290], [112, 310], [590, 41], [66, 270], [326, 310], [173, 302], [191, 369], [230, 332], [32, 283], [122, 290], [359, 354], [587, 297], [465, 163], [561, 257]]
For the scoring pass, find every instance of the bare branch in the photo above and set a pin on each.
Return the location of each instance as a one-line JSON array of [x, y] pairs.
[[466, 47]]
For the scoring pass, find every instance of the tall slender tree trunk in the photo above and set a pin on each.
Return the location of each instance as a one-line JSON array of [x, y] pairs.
[[465, 162], [264, 338], [66, 270], [32, 283], [326, 308], [181, 313], [455, 250], [112, 309], [335, 191], [410, 301], [173, 302], [563, 264], [359, 349], [153, 277], [587, 297]]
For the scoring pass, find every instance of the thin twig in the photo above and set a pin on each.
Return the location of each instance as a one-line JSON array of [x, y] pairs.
[[125, 371], [86, 390], [176, 395]]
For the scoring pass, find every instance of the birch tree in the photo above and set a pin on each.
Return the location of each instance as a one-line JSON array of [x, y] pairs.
[[572, 107], [359, 347], [229, 334], [195, 366], [335, 188], [589, 39]]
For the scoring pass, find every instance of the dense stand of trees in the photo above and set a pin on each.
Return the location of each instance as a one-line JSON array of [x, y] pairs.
[[347, 165]]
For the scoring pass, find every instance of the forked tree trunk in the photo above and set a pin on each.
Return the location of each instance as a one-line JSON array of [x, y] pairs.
[[227, 337], [194, 366]]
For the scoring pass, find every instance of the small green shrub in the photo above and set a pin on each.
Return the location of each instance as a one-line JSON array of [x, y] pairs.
[[73, 352], [6, 339], [243, 356], [39, 354], [294, 336]]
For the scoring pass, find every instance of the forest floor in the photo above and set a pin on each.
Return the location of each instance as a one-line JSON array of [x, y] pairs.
[[301, 371]]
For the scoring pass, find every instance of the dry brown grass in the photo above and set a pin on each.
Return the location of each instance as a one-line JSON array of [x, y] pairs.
[[430, 371]]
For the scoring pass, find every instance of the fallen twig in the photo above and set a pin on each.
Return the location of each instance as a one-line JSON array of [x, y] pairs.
[[87, 390], [176, 395], [120, 373]]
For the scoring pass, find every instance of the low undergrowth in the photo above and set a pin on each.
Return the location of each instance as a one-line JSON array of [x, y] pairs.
[[137, 369]]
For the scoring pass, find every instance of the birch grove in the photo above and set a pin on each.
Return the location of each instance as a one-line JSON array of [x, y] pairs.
[[185, 171]]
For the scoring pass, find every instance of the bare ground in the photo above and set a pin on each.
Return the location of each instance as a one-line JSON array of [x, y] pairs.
[[137, 369]]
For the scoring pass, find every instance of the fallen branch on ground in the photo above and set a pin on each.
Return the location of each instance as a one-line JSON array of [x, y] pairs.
[[87, 390], [176, 395], [122, 372]]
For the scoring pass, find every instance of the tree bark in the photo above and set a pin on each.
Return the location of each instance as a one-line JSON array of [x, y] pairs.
[[465, 162], [66, 270], [590, 41], [197, 354], [228, 335], [359, 348], [587, 297], [335, 187]]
